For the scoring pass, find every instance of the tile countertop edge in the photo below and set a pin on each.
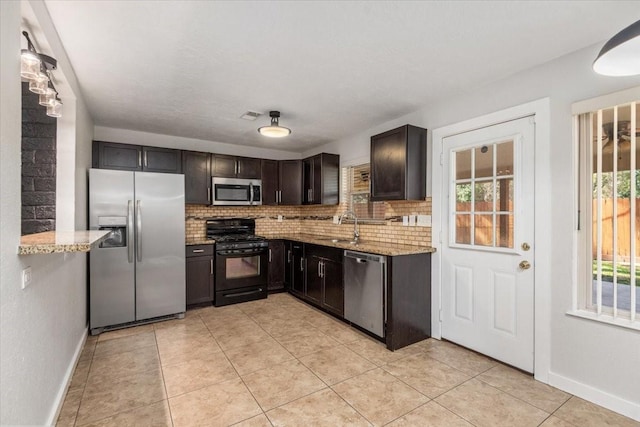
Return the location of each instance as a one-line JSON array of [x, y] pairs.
[[372, 247], [51, 242]]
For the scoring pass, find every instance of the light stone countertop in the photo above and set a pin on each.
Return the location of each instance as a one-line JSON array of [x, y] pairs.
[[200, 241], [372, 247], [51, 242]]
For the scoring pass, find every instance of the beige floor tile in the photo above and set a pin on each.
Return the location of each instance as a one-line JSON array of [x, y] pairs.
[[342, 333], [87, 351], [524, 387], [280, 384], [186, 329], [430, 415], [464, 360], [425, 374], [258, 355], [217, 405], [125, 364], [238, 337], [197, 373], [154, 415], [376, 352], [322, 408], [554, 421], [189, 318], [106, 396], [336, 364], [80, 375], [379, 396], [69, 410], [123, 344], [484, 405], [182, 350], [307, 342], [126, 332], [257, 421], [586, 414]]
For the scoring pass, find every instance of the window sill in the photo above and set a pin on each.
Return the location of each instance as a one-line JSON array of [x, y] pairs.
[[605, 318]]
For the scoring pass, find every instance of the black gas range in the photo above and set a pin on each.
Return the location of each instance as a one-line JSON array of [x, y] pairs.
[[241, 260]]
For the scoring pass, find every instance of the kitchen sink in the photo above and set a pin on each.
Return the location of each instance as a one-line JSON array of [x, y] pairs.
[[333, 240]]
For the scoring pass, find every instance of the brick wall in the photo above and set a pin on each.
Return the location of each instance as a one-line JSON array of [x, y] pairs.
[[38, 165]]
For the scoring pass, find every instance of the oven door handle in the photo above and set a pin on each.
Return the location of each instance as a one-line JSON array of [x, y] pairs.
[[244, 252]]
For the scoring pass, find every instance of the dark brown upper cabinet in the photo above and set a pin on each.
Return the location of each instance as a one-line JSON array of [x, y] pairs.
[[270, 182], [281, 182], [235, 167], [164, 160], [197, 177], [398, 164], [321, 179], [111, 155]]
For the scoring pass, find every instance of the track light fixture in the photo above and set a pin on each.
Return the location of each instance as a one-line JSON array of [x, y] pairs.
[[36, 69], [274, 130]]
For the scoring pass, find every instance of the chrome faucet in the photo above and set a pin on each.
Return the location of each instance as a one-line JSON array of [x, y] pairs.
[[356, 233]]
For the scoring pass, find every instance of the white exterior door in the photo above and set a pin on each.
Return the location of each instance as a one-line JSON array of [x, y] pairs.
[[487, 246]]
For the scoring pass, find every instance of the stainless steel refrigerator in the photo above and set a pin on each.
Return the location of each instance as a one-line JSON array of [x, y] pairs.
[[138, 272]]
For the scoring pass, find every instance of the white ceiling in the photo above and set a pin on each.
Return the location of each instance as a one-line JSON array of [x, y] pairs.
[[192, 68]]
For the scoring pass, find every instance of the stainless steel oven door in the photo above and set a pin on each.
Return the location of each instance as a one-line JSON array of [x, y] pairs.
[[241, 268]]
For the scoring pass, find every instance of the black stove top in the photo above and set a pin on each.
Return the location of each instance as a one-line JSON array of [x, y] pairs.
[[231, 232]]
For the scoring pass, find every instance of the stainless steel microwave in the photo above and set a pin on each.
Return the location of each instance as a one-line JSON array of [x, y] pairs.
[[236, 191]]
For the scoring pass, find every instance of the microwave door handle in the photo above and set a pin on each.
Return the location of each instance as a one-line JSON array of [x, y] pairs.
[[130, 235], [251, 193]]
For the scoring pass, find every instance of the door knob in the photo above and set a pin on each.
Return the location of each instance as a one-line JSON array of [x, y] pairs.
[[524, 265], [525, 246]]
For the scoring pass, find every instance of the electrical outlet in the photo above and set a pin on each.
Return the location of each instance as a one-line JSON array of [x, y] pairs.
[[405, 221], [412, 220], [424, 220], [336, 219], [279, 218], [26, 277]]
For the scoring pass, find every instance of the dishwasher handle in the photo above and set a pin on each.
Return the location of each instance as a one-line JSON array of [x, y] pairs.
[[363, 258]]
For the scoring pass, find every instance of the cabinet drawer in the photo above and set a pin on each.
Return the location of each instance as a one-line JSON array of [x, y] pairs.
[[199, 250]]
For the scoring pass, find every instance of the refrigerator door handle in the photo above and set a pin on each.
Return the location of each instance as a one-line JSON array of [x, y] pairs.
[[138, 231], [130, 235]]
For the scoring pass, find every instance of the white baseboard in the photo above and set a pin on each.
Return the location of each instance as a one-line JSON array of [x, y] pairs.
[[599, 397], [64, 387]]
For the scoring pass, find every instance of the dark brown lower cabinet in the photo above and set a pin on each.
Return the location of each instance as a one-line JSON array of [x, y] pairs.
[[199, 259], [325, 285], [276, 266], [297, 269]]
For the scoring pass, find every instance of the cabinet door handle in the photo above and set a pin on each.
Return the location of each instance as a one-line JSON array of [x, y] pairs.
[[301, 264], [145, 159], [139, 159], [288, 256], [211, 266], [208, 194], [237, 167], [269, 255], [319, 268], [280, 195], [198, 251]]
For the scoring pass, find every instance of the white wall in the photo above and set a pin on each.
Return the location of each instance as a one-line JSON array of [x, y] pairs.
[[44, 325], [167, 141], [599, 362]]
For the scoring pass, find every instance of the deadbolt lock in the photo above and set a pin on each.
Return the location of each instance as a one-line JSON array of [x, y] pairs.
[[524, 265], [525, 246]]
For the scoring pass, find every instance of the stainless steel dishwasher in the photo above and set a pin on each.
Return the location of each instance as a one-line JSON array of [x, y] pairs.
[[365, 290]]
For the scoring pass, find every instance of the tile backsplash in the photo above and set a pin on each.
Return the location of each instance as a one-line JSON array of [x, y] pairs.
[[317, 219]]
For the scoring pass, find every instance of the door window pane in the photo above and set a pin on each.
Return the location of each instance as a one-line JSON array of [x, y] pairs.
[[483, 196], [483, 230], [484, 161], [504, 195], [504, 231], [504, 163], [463, 164], [463, 229], [463, 197]]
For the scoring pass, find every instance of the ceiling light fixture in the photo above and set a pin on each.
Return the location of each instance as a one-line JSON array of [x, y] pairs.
[[35, 68], [274, 130], [620, 56]]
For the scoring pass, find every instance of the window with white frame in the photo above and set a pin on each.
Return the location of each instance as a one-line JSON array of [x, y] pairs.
[[609, 200], [359, 191]]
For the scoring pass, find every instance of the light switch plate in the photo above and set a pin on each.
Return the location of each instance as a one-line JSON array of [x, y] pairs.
[[336, 219], [279, 218], [412, 220], [405, 221], [26, 277]]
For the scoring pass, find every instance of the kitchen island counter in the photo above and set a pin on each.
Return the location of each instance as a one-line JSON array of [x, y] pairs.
[[51, 242]]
